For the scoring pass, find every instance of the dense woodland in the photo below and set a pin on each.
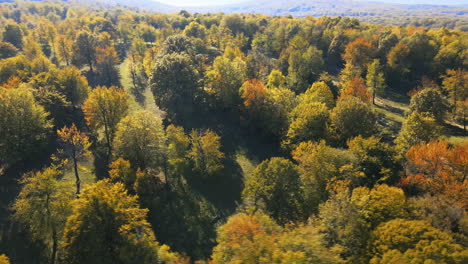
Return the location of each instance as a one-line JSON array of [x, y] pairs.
[[134, 137]]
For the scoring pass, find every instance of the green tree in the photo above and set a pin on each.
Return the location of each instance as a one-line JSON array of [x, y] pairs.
[[304, 68], [456, 85], [276, 79], [275, 187], [278, 105], [430, 102], [85, 49], [23, 125], [7, 50], [107, 226], [226, 77], [178, 146], [375, 80], [319, 92], [140, 139], [73, 85], [377, 159], [205, 152], [195, 30], [318, 164], [308, 123], [13, 34], [417, 129], [175, 85], [342, 224], [42, 207], [351, 117]]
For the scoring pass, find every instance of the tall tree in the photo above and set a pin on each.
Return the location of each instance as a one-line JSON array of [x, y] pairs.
[[417, 129], [359, 53], [13, 34], [274, 186], [351, 117], [304, 68], [455, 83], [308, 122], [175, 85], [108, 226], [104, 109], [64, 49], [140, 139], [375, 80], [75, 145], [24, 125], [227, 76], [42, 206], [205, 152], [106, 65], [85, 49], [430, 102]]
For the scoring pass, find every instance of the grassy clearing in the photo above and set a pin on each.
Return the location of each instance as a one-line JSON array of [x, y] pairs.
[[247, 165], [85, 170]]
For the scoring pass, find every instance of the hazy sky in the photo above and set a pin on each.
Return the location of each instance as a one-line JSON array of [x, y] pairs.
[[199, 2]]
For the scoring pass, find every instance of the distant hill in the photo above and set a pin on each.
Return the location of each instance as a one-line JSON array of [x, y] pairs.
[[355, 8], [333, 8]]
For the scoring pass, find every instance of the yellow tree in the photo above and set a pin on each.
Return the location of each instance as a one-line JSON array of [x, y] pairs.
[[24, 125], [140, 139], [104, 109], [4, 259], [75, 145], [42, 206], [64, 49], [108, 226]]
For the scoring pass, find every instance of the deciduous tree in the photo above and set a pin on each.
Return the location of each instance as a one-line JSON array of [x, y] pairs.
[[104, 109], [75, 145], [42, 207], [108, 226], [375, 79], [274, 186], [140, 139], [205, 152], [24, 125], [175, 85], [351, 117]]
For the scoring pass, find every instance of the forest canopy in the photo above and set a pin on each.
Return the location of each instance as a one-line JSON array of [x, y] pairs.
[[137, 137]]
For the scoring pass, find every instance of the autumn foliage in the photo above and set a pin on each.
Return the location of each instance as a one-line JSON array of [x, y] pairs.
[[439, 168]]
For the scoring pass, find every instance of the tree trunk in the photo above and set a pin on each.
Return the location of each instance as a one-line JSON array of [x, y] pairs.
[[54, 246], [77, 176]]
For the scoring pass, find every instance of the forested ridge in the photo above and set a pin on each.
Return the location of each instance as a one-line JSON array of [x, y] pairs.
[[135, 137]]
